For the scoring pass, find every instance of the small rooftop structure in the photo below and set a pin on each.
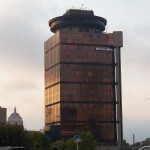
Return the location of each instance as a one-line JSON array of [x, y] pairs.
[[78, 18], [79, 12], [15, 118]]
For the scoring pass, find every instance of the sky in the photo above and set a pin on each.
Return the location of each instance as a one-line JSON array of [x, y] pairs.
[[23, 30]]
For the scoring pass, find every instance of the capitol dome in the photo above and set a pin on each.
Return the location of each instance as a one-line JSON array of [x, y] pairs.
[[15, 118]]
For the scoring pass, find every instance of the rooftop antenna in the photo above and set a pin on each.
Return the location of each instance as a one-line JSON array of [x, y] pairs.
[[15, 110]]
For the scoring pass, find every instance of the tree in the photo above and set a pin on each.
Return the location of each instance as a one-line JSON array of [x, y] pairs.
[[70, 145], [126, 148], [146, 142], [16, 135], [60, 144], [87, 142], [12, 135], [40, 141]]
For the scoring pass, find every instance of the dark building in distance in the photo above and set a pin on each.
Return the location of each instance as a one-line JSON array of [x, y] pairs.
[[83, 78], [3, 115]]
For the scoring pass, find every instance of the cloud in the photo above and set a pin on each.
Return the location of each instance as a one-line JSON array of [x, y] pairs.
[[20, 37], [24, 28], [19, 85]]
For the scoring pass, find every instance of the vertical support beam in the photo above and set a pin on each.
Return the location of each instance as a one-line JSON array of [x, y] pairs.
[[114, 93], [119, 96], [118, 43]]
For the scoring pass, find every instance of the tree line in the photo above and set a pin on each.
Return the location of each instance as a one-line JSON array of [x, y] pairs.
[[16, 135]]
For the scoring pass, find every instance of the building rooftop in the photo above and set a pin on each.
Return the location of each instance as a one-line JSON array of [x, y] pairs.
[[15, 118], [79, 12], [78, 18], [3, 114]]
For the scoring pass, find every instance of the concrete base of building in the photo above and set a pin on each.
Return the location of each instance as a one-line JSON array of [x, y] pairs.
[[108, 148]]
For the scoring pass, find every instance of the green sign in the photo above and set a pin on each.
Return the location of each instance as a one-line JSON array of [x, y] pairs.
[[77, 138]]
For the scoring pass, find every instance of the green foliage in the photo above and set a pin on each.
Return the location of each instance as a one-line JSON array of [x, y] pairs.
[[12, 135], [146, 142], [60, 144], [87, 142], [16, 135], [40, 141], [125, 143], [70, 145], [126, 148]]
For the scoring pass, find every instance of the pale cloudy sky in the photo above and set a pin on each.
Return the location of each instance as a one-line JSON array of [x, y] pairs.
[[23, 30]]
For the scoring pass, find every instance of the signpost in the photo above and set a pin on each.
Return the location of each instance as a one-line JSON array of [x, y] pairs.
[[77, 139]]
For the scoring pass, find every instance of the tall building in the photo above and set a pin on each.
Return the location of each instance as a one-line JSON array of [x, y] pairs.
[[83, 78], [3, 114], [15, 118]]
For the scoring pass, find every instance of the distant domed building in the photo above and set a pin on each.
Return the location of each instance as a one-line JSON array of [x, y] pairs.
[[15, 118]]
